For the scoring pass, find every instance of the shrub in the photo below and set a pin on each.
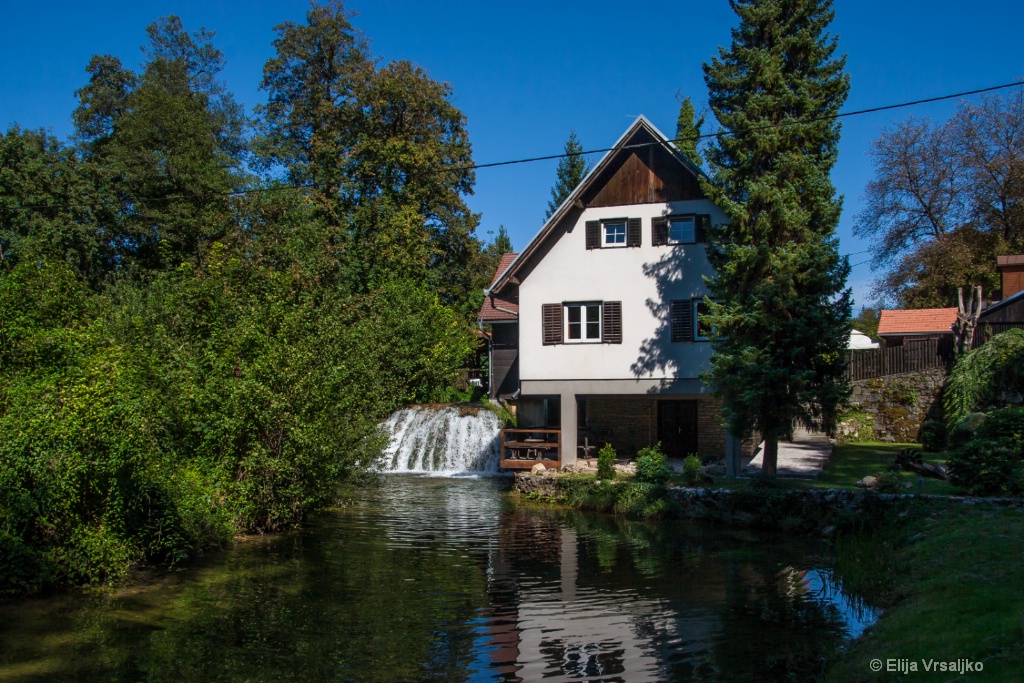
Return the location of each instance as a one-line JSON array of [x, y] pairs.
[[989, 461], [932, 435], [652, 465], [890, 482], [988, 377], [691, 470], [642, 499], [606, 461]]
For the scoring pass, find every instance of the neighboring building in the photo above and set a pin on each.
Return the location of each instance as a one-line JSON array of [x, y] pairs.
[[1008, 313], [899, 327], [599, 313], [1011, 274], [502, 314], [860, 341]]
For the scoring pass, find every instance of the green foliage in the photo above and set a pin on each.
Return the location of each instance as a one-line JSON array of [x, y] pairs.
[[178, 365], [652, 465], [692, 474], [571, 171], [688, 131], [866, 322], [890, 482], [606, 461], [987, 377], [933, 435], [988, 457], [778, 299], [643, 499]]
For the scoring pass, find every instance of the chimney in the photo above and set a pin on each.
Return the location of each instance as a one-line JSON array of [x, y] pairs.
[[1011, 270]]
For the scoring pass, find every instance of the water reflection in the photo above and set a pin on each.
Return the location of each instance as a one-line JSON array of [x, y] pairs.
[[443, 579]]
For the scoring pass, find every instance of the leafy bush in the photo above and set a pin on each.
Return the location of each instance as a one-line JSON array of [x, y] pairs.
[[642, 499], [652, 465], [989, 461], [988, 377], [605, 462], [933, 435], [890, 482], [691, 470]]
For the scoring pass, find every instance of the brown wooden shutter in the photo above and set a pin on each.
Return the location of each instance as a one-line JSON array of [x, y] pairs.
[[552, 325], [633, 232], [659, 231], [701, 228], [611, 322], [593, 234], [682, 320]]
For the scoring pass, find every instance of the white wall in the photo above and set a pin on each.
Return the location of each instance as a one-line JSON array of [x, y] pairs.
[[569, 272]]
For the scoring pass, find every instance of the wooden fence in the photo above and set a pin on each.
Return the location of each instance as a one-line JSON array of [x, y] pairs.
[[922, 355], [985, 331]]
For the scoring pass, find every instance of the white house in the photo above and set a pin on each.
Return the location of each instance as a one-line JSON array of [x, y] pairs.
[[598, 314]]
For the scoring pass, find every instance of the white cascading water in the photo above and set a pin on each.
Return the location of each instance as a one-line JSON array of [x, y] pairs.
[[443, 440]]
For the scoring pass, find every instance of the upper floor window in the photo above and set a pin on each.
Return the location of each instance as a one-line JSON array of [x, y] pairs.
[[685, 322], [613, 234], [682, 230], [701, 330]]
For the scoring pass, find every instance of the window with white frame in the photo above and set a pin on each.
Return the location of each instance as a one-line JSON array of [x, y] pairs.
[[613, 234], [583, 322], [682, 230]]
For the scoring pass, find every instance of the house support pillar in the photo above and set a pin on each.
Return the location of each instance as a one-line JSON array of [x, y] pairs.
[[569, 428], [733, 461]]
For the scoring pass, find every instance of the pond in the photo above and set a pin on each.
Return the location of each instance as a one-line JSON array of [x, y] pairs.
[[447, 579]]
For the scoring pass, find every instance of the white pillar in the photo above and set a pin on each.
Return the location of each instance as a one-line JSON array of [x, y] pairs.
[[568, 429]]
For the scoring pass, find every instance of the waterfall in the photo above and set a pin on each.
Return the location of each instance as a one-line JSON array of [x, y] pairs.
[[442, 439]]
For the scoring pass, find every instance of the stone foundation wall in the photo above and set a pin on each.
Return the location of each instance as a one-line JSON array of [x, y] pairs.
[[898, 404]]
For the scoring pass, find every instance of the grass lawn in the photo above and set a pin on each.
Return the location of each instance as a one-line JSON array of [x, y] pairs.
[[954, 580], [852, 462]]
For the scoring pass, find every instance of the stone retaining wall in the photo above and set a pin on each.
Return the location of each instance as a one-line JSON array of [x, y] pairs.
[[797, 510], [898, 404]]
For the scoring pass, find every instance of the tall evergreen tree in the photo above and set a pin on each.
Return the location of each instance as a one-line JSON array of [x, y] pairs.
[[779, 308], [688, 131], [571, 171]]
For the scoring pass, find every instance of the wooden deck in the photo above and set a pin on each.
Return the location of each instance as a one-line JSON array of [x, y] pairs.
[[521, 449]]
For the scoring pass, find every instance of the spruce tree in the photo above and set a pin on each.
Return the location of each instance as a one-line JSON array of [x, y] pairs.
[[779, 308], [688, 127], [571, 171]]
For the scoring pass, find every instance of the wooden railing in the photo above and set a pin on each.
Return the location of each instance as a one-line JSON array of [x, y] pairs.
[[910, 357], [521, 449]]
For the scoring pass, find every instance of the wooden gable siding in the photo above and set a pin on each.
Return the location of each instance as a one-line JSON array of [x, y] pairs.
[[1013, 280], [1012, 312], [644, 176]]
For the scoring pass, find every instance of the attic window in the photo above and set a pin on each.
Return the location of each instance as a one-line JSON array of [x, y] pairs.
[[613, 234]]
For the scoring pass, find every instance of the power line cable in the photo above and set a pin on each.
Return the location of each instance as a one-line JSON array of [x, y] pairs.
[[527, 160]]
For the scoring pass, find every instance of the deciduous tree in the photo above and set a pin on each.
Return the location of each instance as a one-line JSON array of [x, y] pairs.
[[779, 305], [945, 201]]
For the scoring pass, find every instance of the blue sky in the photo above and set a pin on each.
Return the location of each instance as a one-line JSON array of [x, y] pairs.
[[525, 73]]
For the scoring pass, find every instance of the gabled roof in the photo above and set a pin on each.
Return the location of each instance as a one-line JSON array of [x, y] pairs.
[[641, 124], [917, 321], [490, 310]]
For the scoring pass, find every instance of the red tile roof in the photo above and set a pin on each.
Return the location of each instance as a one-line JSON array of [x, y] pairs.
[[488, 312], [917, 321]]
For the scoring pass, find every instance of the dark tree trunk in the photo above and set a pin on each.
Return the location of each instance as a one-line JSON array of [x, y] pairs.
[[770, 461]]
